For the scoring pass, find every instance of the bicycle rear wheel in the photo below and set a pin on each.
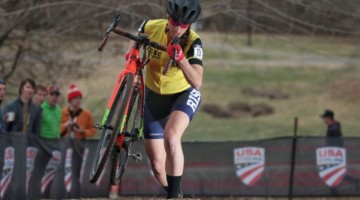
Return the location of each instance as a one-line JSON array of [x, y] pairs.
[[113, 126], [118, 165], [132, 128]]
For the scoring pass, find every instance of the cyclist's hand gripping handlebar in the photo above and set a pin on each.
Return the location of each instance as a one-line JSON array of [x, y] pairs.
[[170, 60]]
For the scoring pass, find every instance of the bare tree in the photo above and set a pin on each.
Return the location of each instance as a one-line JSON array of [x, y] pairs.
[[36, 36]]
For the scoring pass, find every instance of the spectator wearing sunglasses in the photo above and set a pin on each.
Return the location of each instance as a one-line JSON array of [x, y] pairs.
[[51, 114]]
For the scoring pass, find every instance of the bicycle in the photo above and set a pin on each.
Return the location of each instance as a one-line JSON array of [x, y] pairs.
[[122, 122]]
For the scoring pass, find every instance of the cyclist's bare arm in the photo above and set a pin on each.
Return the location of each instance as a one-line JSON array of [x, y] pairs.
[[192, 72]]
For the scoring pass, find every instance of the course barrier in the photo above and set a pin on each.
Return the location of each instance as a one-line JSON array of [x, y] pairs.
[[34, 168]]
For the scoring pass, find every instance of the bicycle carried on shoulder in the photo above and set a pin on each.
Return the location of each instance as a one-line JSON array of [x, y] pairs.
[[121, 125]]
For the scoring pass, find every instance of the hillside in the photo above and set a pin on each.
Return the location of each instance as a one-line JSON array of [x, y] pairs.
[[309, 73]]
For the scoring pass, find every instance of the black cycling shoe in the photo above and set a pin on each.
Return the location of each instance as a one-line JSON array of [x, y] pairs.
[[181, 194]]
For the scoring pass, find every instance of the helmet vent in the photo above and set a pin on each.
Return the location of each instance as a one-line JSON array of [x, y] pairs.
[[176, 8], [192, 13]]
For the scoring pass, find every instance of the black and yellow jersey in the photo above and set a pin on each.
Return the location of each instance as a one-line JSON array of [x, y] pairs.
[[174, 80]]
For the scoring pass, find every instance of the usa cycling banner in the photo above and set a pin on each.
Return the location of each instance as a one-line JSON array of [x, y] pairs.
[[331, 162], [323, 167], [252, 168], [250, 163], [72, 176], [327, 166], [35, 168]]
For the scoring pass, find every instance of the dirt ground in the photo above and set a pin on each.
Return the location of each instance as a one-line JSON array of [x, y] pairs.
[[229, 198]]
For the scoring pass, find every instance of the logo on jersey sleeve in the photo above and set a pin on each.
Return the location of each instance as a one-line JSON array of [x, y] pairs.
[[198, 52]]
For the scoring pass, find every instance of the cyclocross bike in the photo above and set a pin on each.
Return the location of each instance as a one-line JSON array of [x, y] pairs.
[[121, 125]]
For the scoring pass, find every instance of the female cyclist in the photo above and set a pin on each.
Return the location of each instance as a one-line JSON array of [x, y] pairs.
[[171, 99]]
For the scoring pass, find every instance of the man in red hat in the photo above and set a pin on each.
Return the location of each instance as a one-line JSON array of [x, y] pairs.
[[75, 121]]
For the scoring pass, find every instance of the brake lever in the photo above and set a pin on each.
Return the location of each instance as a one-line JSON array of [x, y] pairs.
[[113, 25], [107, 34]]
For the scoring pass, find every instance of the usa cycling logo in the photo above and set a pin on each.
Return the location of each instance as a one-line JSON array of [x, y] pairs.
[[68, 171], [331, 162], [250, 164], [31, 153], [7, 172], [50, 170]]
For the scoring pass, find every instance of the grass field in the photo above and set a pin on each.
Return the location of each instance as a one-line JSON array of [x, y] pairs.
[[316, 72]]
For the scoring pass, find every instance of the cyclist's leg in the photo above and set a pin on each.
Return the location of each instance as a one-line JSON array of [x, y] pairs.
[[174, 130], [183, 111], [157, 156], [156, 113]]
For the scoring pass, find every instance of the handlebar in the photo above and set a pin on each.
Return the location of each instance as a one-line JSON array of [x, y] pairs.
[[141, 38]]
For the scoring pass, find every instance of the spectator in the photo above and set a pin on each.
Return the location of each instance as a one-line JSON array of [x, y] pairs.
[[46, 162], [75, 121], [2, 96], [40, 95], [333, 126], [333, 134], [51, 114], [22, 114]]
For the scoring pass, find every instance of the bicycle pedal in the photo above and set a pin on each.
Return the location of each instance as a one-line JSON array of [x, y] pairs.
[[110, 127], [127, 134], [97, 127], [137, 157]]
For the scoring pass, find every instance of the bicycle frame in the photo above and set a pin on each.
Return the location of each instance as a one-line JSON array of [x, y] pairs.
[[133, 67], [127, 99]]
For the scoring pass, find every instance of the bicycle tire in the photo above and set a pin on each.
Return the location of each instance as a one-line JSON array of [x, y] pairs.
[[118, 167], [123, 155], [120, 104], [115, 165]]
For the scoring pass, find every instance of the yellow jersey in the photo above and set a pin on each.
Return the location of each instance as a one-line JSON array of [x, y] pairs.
[[174, 80]]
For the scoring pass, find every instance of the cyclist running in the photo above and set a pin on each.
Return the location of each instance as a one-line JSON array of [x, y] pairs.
[[171, 100]]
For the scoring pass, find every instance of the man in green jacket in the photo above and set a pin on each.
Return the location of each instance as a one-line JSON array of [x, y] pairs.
[[51, 114]]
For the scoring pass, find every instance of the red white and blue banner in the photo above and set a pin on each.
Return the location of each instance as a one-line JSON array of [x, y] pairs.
[[35, 168], [50, 170], [250, 164], [7, 171], [331, 162]]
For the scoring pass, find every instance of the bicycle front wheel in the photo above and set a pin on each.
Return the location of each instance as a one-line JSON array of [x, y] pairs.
[[132, 133], [113, 127]]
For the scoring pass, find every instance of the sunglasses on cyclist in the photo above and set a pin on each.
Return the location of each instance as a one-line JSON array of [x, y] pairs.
[[175, 23]]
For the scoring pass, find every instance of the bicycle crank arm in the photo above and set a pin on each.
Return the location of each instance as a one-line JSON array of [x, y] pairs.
[[137, 157], [99, 127]]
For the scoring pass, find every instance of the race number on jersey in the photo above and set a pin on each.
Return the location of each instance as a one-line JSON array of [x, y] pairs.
[[198, 52]]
